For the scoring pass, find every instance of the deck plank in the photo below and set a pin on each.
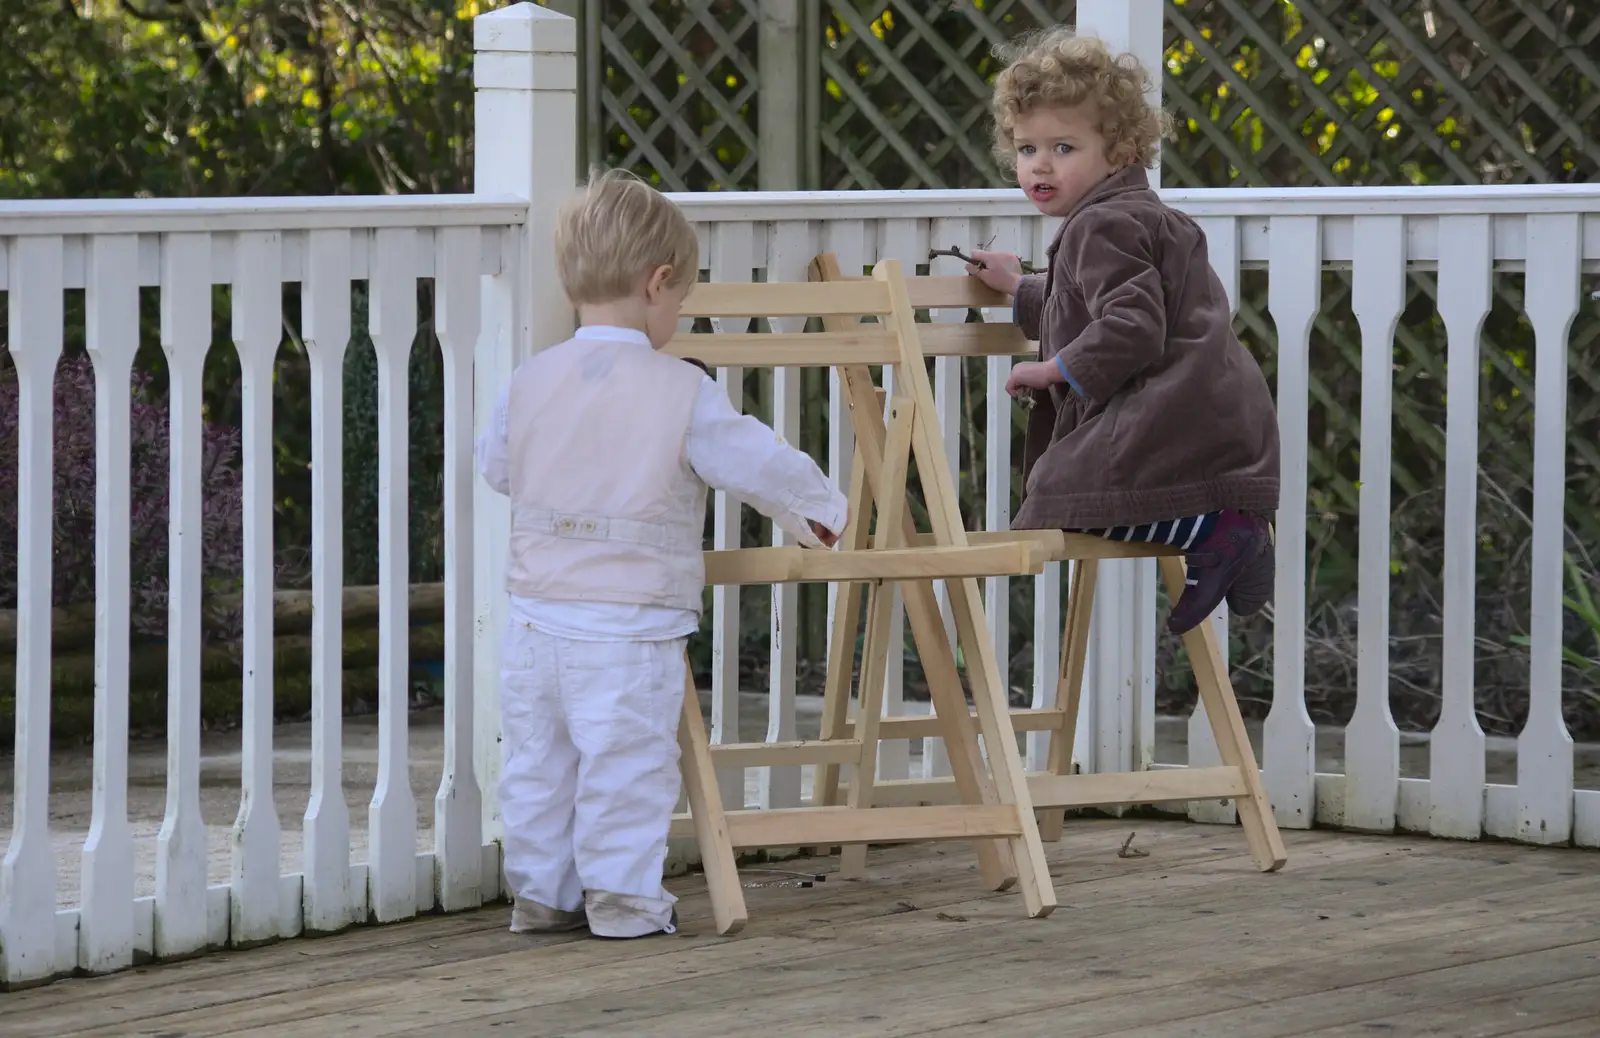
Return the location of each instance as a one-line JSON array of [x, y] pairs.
[[1359, 935], [1515, 1013]]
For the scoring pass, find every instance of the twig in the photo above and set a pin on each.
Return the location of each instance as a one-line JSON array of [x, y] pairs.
[[809, 877], [952, 251], [1127, 850], [956, 253]]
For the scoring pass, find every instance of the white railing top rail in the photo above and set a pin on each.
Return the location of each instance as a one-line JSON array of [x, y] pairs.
[[1246, 215], [177, 215], [296, 220], [1519, 199]]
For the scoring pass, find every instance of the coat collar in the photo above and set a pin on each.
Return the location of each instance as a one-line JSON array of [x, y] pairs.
[[1127, 180]]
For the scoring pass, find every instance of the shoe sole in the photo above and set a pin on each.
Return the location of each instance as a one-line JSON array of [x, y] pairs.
[[541, 931], [672, 928], [1253, 589]]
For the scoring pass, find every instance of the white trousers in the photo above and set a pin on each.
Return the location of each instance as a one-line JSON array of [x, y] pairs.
[[589, 779]]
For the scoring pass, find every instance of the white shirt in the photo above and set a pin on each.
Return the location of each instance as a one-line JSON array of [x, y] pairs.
[[729, 451]]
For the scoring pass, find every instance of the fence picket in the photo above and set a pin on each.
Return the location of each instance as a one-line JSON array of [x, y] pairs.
[[1222, 245], [903, 240], [392, 814], [947, 386], [732, 259], [1544, 749], [1372, 742], [1005, 235], [789, 252], [106, 938], [181, 908], [1294, 292], [1456, 765], [28, 872], [327, 895], [257, 326], [458, 804]]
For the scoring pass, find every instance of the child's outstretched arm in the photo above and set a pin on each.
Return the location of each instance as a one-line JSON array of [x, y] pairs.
[[493, 456], [1112, 257], [745, 457]]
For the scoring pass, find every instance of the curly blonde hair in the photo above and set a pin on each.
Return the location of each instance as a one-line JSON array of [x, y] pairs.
[[1057, 68]]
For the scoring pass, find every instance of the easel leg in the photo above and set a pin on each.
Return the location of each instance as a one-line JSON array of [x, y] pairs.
[[1069, 691], [705, 810], [837, 687], [875, 660], [996, 862], [1227, 726], [983, 670], [842, 640]]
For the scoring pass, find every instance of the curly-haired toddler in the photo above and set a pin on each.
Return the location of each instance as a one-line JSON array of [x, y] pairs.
[[1156, 424]]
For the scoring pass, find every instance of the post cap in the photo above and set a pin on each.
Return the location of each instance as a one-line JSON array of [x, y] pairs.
[[526, 28]]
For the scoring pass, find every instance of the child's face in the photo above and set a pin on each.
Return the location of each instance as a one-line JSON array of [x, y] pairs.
[[663, 304], [1060, 157]]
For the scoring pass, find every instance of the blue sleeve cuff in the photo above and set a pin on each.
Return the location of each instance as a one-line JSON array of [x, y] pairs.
[[1061, 366]]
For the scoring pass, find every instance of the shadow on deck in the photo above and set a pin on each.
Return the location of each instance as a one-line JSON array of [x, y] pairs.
[[1358, 935]]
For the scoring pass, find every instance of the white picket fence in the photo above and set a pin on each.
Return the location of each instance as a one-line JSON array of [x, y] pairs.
[[497, 300], [1550, 234]]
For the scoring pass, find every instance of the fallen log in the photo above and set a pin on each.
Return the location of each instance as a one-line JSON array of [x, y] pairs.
[[72, 679], [74, 671], [72, 627], [72, 717]]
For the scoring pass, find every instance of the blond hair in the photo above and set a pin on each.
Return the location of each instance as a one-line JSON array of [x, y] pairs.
[[1057, 68], [616, 230]]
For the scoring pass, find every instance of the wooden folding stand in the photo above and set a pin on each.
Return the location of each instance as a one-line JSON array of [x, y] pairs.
[[992, 810], [1059, 787]]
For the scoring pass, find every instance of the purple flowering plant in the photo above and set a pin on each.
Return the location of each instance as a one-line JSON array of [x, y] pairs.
[[73, 564]]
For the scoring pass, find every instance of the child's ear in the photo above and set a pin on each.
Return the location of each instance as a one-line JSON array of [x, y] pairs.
[[660, 279]]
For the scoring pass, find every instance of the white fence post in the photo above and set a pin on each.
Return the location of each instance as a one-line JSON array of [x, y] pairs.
[[526, 113], [28, 948], [1125, 607]]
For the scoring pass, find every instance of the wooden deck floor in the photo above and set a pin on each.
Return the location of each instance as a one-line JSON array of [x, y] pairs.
[[1358, 936]]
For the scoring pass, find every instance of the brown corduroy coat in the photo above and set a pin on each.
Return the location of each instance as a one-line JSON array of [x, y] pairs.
[[1174, 417]]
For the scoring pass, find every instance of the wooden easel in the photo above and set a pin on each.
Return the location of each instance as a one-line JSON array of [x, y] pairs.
[[1059, 787], [994, 809]]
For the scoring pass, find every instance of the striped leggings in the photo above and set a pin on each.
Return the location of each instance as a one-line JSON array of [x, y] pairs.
[[1182, 533]]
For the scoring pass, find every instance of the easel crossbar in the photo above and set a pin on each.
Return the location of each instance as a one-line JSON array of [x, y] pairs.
[[787, 299], [1166, 786], [844, 827], [786, 349], [790, 565], [831, 349], [1060, 546]]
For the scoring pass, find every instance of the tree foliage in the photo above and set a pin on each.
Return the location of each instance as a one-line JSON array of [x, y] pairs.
[[167, 98]]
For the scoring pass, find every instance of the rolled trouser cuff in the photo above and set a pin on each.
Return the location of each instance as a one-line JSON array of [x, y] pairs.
[[628, 915], [532, 917]]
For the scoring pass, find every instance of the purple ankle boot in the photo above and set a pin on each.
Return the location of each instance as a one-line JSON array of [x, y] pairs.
[[1215, 566], [1253, 590]]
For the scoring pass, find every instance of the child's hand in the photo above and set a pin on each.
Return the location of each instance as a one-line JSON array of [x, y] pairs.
[[825, 535], [1031, 374], [1001, 271]]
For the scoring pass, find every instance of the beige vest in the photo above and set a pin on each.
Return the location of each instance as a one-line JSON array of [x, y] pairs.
[[604, 505]]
